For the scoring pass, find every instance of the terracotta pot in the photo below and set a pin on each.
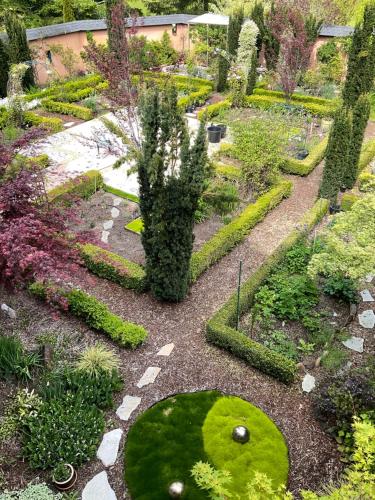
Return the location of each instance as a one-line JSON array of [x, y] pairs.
[[68, 483]]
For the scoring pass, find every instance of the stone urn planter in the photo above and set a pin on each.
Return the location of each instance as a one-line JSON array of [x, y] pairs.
[[64, 477]]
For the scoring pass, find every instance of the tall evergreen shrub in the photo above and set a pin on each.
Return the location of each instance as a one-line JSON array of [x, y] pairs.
[[361, 63], [252, 75], [68, 11], [4, 68], [109, 4], [361, 114], [19, 51], [171, 177], [337, 155]]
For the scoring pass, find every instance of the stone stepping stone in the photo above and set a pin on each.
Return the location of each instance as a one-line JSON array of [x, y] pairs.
[[128, 405], [367, 319], [69, 124], [149, 376], [369, 278], [308, 383], [366, 296], [354, 343], [115, 212], [98, 488], [166, 350], [117, 201], [104, 237], [108, 449], [11, 313], [108, 224]]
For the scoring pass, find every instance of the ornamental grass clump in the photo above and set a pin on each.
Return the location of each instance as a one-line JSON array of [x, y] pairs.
[[98, 359]]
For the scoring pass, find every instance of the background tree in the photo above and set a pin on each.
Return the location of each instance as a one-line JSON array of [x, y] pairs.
[[171, 175], [19, 51], [361, 64], [252, 74], [68, 12], [109, 5], [234, 29], [4, 68], [337, 155]]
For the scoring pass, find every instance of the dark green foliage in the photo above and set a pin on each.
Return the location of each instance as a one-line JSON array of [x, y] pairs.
[[252, 75], [68, 11], [168, 202], [257, 15], [312, 27], [327, 52], [279, 342], [337, 155], [15, 361], [223, 69], [163, 445], [342, 288], [109, 4], [19, 51], [66, 429], [265, 37], [360, 116], [4, 68], [361, 64]]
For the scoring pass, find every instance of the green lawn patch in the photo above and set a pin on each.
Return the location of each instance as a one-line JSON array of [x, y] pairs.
[[120, 193], [135, 226]]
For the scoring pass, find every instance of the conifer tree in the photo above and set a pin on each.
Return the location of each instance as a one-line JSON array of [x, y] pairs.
[[361, 114], [171, 175], [68, 11], [337, 155], [19, 51], [109, 4], [361, 63], [252, 75], [4, 68]]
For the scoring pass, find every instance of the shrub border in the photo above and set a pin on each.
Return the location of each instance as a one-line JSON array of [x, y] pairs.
[[306, 166], [66, 108], [84, 186], [220, 329], [120, 193]]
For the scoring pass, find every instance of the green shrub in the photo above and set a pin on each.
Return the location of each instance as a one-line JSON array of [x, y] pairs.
[[348, 200], [229, 172], [306, 166], [113, 267], [196, 98], [213, 110], [279, 342], [32, 119], [15, 361], [343, 288], [67, 430], [267, 102], [83, 186], [237, 230], [296, 97], [220, 328], [32, 492], [121, 194], [97, 359], [71, 86], [367, 155], [366, 182], [67, 109]]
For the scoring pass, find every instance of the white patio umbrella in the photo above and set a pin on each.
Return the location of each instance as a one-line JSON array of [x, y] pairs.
[[210, 19]]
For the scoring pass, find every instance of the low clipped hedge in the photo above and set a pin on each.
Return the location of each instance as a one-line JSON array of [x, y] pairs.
[[53, 124], [64, 88], [213, 110], [296, 97], [235, 232], [230, 172], [366, 182], [367, 155], [220, 328], [120, 193], [97, 316], [83, 186], [304, 167], [268, 101], [348, 200], [66, 108], [113, 267], [196, 98]]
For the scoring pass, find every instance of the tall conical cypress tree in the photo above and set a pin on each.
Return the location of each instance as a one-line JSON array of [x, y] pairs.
[[252, 76], [257, 15], [337, 155], [68, 11], [19, 51], [361, 114], [168, 202], [4, 68], [361, 63]]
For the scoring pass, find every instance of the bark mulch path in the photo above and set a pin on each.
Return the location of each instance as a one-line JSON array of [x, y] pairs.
[[194, 365]]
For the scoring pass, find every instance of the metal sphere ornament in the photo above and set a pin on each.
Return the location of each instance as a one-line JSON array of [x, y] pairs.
[[241, 434], [176, 489]]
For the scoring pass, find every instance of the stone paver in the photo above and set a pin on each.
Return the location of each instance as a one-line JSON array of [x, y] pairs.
[[366, 296], [354, 343], [117, 201], [128, 405], [369, 278], [108, 449], [98, 488], [166, 350], [104, 237], [115, 212], [68, 124], [149, 376], [11, 313], [308, 383], [108, 224], [367, 319]]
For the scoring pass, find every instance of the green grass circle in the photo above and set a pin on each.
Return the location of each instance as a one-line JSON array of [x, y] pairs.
[[265, 452]]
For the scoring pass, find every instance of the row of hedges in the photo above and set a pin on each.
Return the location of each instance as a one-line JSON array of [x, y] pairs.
[[196, 98], [213, 110], [66, 108], [220, 328], [304, 167], [236, 231], [84, 186], [230, 172], [33, 120], [367, 155], [268, 101], [113, 267], [97, 316], [80, 94], [64, 88], [120, 193], [188, 81], [296, 97]]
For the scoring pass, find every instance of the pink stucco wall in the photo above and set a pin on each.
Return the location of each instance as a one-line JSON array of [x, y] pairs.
[[76, 41]]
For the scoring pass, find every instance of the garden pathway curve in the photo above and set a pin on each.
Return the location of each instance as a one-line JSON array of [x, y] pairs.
[[195, 365]]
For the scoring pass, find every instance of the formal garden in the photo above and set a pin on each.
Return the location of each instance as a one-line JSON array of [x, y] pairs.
[[187, 261]]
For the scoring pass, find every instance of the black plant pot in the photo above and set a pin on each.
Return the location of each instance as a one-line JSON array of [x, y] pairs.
[[190, 109], [334, 209], [223, 129], [302, 154], [214, 134]]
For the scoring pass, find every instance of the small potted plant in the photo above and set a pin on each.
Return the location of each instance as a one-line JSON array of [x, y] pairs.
[[64, 476]]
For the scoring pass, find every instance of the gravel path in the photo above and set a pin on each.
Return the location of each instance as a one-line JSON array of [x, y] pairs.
[[194, 365]]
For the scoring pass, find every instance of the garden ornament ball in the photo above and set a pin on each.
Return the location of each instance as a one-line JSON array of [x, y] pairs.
[[176, 489], [241, 434]]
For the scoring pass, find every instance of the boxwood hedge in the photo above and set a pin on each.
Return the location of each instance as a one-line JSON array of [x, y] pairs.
[[220, 328], [83, 186], [66, 108], [304, 167]]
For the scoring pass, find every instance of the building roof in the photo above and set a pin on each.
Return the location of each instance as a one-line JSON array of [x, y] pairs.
[[100, 24], [336, 31]]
